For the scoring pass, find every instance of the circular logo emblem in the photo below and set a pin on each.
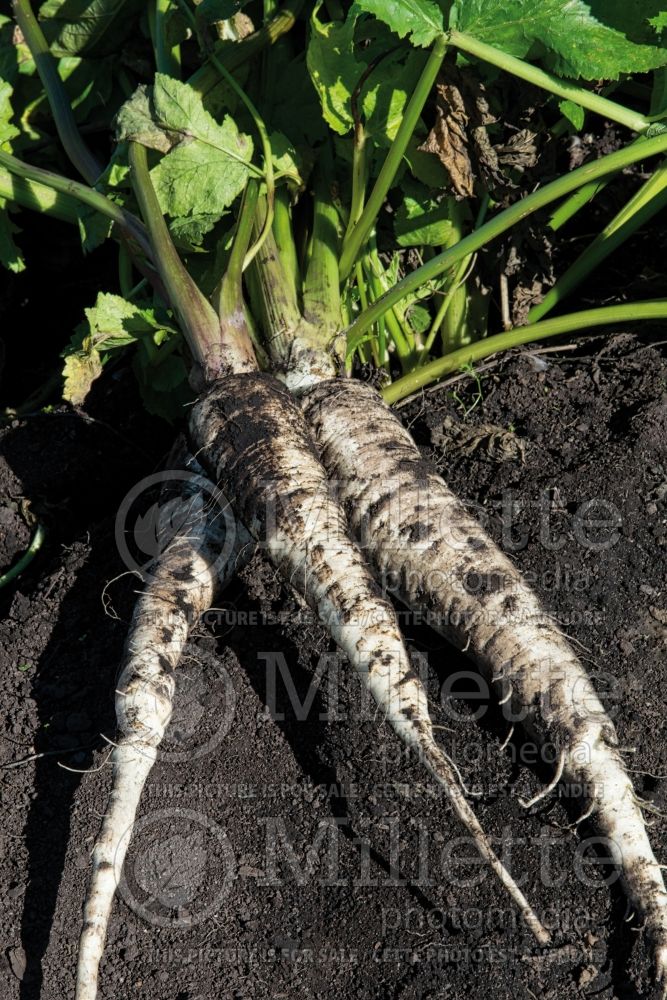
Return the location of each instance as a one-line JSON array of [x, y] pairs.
[[179, 869], [170, 504]]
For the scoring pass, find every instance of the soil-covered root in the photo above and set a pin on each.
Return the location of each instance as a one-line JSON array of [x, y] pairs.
[[431, 553], [251, 437], [182, 584]]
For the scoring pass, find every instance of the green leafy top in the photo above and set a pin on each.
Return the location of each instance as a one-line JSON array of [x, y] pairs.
[[573, 36], [576, 43], [206, 165], [420, 20], [381, 74]]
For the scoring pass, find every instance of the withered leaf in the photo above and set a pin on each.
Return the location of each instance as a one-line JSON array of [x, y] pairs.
[[520, 150], [448, 138]]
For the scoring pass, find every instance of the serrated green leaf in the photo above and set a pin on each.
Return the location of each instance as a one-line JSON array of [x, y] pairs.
[[79, 372], [286, 159], [10, 255], [115, 322], [94, 228], [574, 113], [394, 72], [208, 164], [659, 22], [577, 44], [422, 220], [420, 20], [196, 178], [190, 231], [136, 121], [74, 27], [334, 69], [112, 323], [339, 62], [415, 226], [8, 130], [633, 18], [419, 317]]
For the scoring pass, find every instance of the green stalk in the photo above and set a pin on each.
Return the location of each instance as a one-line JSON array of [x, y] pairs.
[[580, 198], [228, 296], [36, 543], [167, 60], [284, 237], [74, 146], [38, 197], [359, 167], [281, 316], [547, 81], [644, 204], [368, 350], [401, 337], [576, 202], [269, 178], [357, 236], [215, 347], [455, 284], [73, 189], [235, 54], [579, 322], [501, 223], [321, 287]]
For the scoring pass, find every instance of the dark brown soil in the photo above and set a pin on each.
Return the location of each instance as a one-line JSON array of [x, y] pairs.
[[293, 854]]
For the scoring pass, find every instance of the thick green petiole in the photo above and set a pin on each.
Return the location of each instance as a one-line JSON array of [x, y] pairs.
[[321, 286], [266, 150], [38, 197], [167, 60], [359, 168], [547, 81], [284, 237], [73, 189], [75, 147], [500, 224], [644, 204], [217, 347], [576, 202], [278, 302], [457, 281], [580, 198], [397, 327], [228, 296], [359, 232], [579, 322]]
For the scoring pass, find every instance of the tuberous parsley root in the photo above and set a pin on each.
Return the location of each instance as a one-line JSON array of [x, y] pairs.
[[251, 437], [182, 585], [441, 562]]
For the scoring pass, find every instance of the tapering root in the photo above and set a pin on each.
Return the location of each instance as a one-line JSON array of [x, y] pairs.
[[183, 584], [439, 766]]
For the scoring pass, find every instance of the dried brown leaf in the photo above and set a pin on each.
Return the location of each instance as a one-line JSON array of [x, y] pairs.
[[448, 138]]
